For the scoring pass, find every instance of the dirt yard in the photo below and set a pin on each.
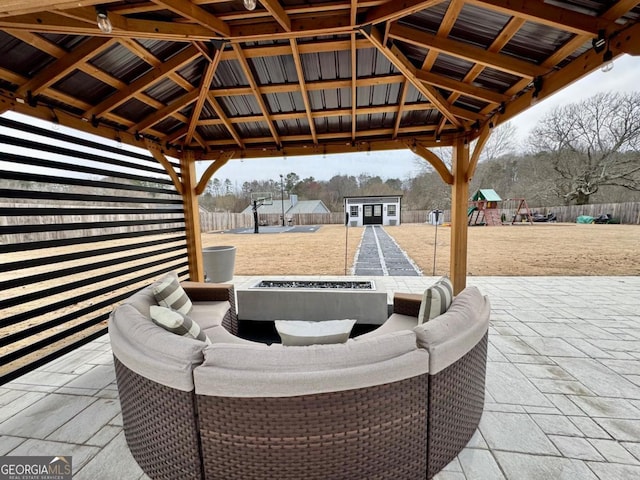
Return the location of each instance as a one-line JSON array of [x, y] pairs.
[[539, 249]]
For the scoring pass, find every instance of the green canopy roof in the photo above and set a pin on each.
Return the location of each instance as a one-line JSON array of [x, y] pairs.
[[488, 194]]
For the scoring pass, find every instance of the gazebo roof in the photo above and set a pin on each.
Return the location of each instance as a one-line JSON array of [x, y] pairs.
[[295, 77]]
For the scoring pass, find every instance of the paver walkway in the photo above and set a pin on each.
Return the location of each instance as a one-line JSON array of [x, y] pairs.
[[379, 254]]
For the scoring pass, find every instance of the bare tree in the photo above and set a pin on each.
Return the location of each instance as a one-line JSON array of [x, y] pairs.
[[592, 144]]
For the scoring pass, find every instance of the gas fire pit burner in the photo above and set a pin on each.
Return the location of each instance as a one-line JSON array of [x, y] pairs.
[[315, 284]]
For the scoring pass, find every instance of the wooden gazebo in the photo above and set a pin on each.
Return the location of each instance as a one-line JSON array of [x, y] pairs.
[[211, 80]]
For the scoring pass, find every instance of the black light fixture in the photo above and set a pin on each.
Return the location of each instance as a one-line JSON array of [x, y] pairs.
[[438, 138], [537, 88], [502, 108], [102, 17], [599, 43]]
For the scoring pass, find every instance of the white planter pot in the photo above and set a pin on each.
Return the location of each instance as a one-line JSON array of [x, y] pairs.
[[219, 263]]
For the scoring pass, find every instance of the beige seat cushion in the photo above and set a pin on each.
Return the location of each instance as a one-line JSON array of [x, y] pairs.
[[209, 314], [453, 334], [300, 333], [395, 323], [232, 370]]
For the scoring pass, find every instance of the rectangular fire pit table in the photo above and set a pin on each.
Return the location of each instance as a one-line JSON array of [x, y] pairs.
[[312, 300]]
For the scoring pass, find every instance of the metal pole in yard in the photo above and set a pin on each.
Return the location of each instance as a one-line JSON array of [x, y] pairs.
[[346, 239], [436, 215]]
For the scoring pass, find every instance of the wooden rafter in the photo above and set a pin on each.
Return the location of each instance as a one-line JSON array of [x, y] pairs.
[[485, 133], [409, 71], [303, 88], [256, 92], [62, 67], [222, 118], [403, 97], [277, 12], [196, 14], [506, 34], [165, 112], [465, 51], [166, 164], [205, 85], [539, 11], [461, 87], [447, 23], [394, 10], [144, 82]]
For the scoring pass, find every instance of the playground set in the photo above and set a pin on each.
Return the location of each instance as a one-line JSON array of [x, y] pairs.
[[486, 208]]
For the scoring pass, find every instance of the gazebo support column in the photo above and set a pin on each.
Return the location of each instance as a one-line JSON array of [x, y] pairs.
[[459, 203], [192, 216]]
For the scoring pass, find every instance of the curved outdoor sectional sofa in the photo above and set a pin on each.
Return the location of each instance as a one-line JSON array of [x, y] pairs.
[[397, 403]]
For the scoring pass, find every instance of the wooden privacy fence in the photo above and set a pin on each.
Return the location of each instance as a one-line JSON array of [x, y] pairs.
[[628, 213]]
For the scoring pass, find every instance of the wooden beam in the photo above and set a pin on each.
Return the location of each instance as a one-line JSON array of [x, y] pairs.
[[277, 12], [220, 162], [164, 161], [461, 87], [205, 85], [20, 7], [580, 67], [398, 59], [191, 216], [538, 11], [404, 88], [354, 87], [485, 133], [173, 107], [256, 92], [435, 161], [393, 10], [196, 14], [619, 9], [224, 120], [446, 25], [147, 80], [459, 204], [65, 65], [303, 88], [465, 51]]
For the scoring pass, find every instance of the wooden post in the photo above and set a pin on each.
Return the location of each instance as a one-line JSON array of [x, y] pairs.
[[192, 216], [459, 203]]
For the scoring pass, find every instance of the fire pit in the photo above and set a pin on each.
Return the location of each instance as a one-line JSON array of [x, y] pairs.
[[314, 284], [313, 300]]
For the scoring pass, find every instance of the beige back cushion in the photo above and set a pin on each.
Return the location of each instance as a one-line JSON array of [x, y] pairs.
[[451, 335], [233, 370]]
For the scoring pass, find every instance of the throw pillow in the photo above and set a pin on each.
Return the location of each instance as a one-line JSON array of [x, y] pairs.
[[169, 293], [436, 300], [299, 333], [175, 322]]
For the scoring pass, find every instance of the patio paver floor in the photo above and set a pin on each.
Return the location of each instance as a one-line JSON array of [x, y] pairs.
[[562, 392]]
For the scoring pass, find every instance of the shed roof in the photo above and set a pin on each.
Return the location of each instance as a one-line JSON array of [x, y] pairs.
[[299, 77]]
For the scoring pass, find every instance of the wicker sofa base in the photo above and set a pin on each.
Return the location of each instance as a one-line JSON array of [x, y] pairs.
[[159, 426], [370, 433], [456, 401]]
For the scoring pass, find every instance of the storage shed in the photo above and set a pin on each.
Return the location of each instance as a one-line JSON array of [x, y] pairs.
[[373, 210]]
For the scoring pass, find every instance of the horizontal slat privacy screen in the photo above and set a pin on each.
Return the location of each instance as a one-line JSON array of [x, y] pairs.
[[83, 224]]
